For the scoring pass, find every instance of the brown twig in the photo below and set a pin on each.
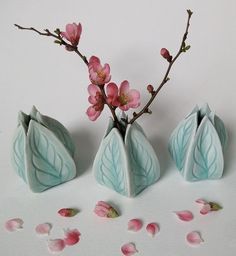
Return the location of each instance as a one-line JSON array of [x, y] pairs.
[[182, 49], [59, 40]]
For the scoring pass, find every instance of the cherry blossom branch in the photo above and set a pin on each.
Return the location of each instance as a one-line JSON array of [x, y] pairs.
[[183, 48], [59, 40]]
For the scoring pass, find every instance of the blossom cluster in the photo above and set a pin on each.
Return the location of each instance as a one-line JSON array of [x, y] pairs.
[[101, 90]]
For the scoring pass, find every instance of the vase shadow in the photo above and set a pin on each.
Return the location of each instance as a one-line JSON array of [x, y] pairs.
[[85, 150], [229, 154], [159, 145]]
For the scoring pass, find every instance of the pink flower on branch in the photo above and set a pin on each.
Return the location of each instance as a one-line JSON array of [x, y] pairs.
[[98, 74], [97, 101], [73, 33], [124, 97]]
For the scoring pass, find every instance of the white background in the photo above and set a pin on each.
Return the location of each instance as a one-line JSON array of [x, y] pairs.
[[128, 35]]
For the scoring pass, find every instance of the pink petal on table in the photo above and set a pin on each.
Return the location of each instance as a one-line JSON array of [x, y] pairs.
[[152, 228], [194, 238], [56, 245], [14, 224], [135, 225], [128, 249], [72, 237], [184, 215], [205, 209], [201, 201], [43, 229]]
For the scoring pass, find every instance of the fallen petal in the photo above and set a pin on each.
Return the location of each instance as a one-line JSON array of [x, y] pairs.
[[128, 249], [72, 237], [205, 209], [152, 228], [135, 225], [194, 238], [201, 201], [184, 215], [56, 245], [43, 229], [68, 212], [14, 224]]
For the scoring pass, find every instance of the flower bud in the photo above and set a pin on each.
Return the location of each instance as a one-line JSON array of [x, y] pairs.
[[165, 54], [150, 88]]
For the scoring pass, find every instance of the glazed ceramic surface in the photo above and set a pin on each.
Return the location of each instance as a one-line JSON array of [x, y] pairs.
[[197, 144], [126, 165], [42, 152]]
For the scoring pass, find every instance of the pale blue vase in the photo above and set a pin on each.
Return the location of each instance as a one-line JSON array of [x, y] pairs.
[[197, 144], [127, 165], [42, 151]]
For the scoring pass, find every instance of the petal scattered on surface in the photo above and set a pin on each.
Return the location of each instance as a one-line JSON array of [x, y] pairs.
[[135, 225], [194, 238], [14, 224], [184, 215], [128, 249], [201, 201], [72, 237], [205, 209], [56, 245], [43, 229], [152, 228]]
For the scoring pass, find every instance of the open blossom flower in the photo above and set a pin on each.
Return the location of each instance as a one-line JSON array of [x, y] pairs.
[[72, 34], [124, 97], [72, 237], [98, 74], [103, 209], [97, 101]]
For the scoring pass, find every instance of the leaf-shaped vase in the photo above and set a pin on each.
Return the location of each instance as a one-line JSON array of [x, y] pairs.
[[126, 165], [197, 145], [42, 152]]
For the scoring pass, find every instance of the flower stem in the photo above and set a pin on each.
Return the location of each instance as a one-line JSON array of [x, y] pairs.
[[182, 49]]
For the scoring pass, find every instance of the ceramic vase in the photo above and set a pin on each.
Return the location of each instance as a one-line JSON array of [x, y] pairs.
[[197, 145], [126, 164], [42, 151]]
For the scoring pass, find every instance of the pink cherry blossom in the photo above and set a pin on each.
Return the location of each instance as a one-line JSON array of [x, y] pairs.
[[128, 249], [14, 224], [128, 98], [152, 228], [56, 245], [43, 229], [97, 101], [72, 237], [184, 215], [194, 238], [73, 33], [103, 209], [98, 74], [135, 225]]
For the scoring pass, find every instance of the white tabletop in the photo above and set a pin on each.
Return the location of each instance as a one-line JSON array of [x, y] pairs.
[[128, 35]]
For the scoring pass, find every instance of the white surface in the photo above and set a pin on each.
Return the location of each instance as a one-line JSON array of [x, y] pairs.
[[128, 35]]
